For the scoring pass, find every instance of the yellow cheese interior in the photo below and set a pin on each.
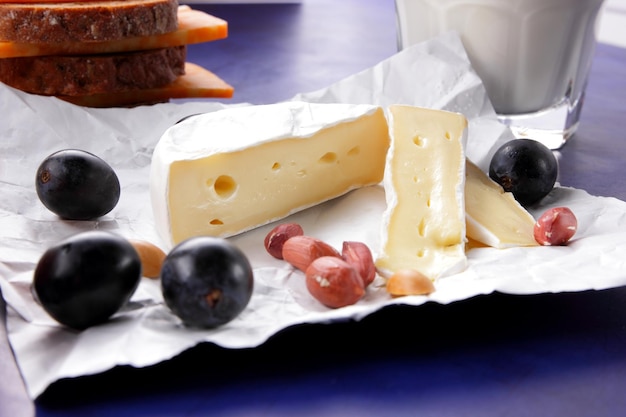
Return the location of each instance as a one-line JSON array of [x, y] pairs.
[[227, 193], [425, 226], [494, 217]]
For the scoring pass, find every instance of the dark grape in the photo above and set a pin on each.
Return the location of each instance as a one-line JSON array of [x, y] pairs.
[[85, 279], [526, 168], [77, 185], [206, 281]]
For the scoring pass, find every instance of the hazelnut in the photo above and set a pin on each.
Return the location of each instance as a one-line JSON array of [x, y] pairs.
[[151, 257], [409, 282]]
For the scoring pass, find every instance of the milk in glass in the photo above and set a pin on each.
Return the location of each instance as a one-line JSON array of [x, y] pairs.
[[533, 56]]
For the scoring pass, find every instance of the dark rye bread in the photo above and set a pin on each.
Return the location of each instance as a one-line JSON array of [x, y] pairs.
[[92, 74], [56, 23]]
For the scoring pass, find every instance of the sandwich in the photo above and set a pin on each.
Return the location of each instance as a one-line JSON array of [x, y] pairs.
[[107, 53]]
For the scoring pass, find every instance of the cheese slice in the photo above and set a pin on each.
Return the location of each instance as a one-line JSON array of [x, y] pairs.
[[197, 82], [226, 172], [194, 26], [424, 223], [493, 216]]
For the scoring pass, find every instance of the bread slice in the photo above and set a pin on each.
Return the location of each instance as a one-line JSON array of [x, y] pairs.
[[55, 23], [107, 53], [91, 74], [194, 26], [197, 82]]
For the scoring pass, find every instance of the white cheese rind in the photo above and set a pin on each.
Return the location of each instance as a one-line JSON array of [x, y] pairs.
[[227, 172], [494, 217], [424, 222]]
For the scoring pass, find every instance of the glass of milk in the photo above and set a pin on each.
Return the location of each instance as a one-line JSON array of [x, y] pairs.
[[533, 56]]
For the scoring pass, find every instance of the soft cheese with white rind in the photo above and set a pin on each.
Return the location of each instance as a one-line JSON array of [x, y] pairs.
[[493, 216], [229, 171], [424, 223]]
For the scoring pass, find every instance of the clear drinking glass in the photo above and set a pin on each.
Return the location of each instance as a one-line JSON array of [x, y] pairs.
[[533, 56]]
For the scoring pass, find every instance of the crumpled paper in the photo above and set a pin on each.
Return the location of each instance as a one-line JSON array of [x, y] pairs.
[[433, 74]]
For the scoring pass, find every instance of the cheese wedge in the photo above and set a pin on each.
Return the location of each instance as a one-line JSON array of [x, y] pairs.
[[424, 223], [197, 82], [493, 216], [226, 172], [194, 26]]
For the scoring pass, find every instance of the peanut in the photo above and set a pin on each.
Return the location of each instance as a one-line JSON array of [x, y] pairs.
[[277, 237], [556, 226], [358, 255], [300, 251], [334, 282]]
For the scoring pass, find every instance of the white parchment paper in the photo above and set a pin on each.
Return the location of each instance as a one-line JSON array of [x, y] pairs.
[[434, 74]]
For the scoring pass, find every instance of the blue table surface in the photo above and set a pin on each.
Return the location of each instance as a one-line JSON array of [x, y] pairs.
[[495, 355]]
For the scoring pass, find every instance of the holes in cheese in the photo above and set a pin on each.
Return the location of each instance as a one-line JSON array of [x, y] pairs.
[[194, 26], [224, 186], [329, 157], [282, 157], [421, 228], [424, 223]]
